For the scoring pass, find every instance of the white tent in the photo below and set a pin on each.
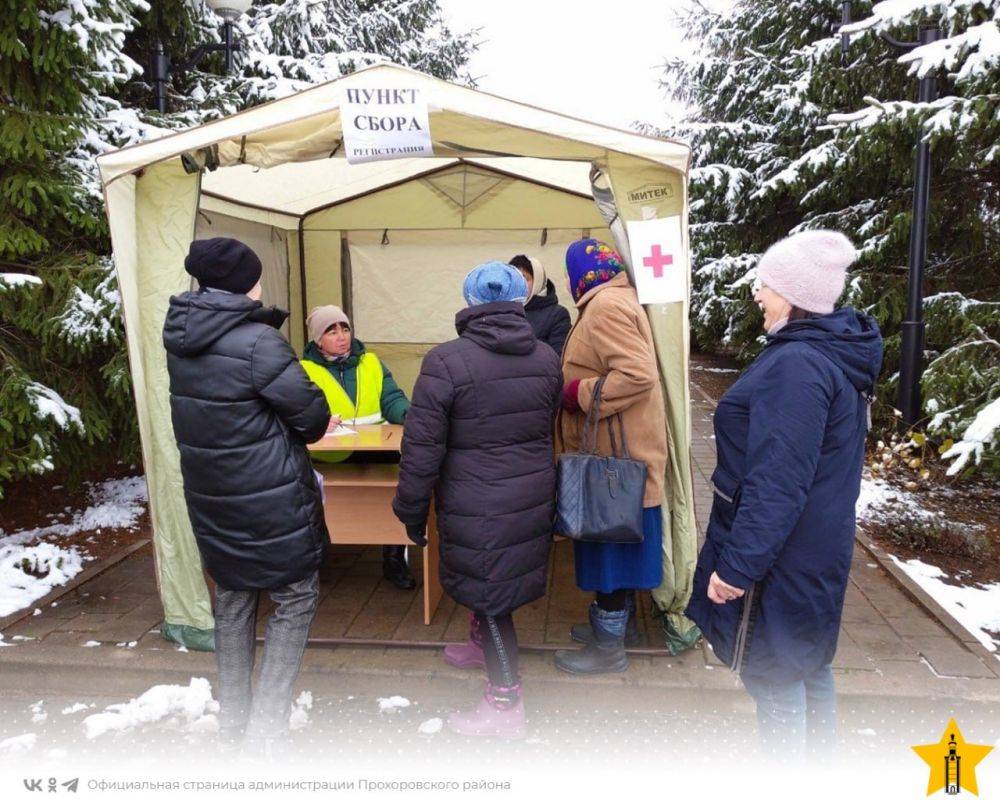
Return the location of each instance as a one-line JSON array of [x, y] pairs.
[[389, 241]]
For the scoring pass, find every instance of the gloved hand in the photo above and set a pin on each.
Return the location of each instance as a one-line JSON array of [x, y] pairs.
[[571, 396], [418, 534]]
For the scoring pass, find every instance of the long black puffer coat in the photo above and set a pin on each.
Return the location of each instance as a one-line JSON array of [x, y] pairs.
[[243, 410], [478, 436]]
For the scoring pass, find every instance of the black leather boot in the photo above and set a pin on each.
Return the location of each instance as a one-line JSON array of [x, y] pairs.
[[606, 653], [394, 567], [583, 633]]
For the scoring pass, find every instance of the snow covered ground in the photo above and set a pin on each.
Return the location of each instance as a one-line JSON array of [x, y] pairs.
[[31, 563], [976, 606]]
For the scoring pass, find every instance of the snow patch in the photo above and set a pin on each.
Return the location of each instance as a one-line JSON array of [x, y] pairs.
[[980, 434], [431, 726], [49, 404], [16, 745], [29, 573], [18, 279], [976, 607], [38, 714], [116, 503], [393, 703], [299, 717], [182, 706], [76, 707]]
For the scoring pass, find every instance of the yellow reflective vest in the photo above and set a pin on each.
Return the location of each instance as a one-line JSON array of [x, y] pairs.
[[367, 406]]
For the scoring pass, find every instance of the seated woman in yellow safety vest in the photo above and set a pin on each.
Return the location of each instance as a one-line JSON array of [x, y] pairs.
[[360, 391]]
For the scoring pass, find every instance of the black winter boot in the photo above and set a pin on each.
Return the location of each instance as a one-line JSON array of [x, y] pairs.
[[583, 633], [606, 653], [394, 567]]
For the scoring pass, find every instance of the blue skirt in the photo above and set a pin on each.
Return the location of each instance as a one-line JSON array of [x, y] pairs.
[[604, 567]]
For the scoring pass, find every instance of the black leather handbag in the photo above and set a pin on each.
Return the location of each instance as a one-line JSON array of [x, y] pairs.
[[600, 497]]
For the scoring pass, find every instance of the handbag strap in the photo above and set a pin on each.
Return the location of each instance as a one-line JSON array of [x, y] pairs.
[[591, 425], [614, 443]]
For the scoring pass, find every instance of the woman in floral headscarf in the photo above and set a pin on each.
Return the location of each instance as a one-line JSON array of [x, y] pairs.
[[612, 340]]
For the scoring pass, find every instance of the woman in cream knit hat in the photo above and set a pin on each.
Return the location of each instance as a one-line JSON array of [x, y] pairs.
[[790, 438]]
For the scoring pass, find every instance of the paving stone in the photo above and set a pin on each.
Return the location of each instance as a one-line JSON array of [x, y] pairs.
[[879, 641], [852, 657], [918, 624], [949, 657]]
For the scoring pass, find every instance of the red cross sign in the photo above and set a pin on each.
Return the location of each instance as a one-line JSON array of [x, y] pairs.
[[661, 259], [657, 260]]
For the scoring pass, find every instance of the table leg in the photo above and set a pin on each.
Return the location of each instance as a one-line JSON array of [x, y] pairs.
[[432, 580]]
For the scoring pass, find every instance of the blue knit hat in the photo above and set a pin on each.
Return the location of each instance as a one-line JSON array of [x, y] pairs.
[[494, 282]]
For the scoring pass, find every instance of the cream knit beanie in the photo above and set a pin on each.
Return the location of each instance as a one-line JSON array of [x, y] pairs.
[[321, 318], [808, 269]]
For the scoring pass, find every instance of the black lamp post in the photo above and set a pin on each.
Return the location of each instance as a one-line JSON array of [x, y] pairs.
[[159, 62], [912, 345]]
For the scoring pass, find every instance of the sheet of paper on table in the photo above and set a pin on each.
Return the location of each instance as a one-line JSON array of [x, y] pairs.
[[341, 430]]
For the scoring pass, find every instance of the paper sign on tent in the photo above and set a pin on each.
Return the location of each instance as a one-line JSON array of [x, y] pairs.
[[382, 123], [659, 260]]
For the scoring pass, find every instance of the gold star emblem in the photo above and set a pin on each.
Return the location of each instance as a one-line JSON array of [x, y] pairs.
[[952, 761]]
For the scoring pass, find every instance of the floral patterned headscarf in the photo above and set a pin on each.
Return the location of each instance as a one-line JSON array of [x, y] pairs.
[[590, 263]]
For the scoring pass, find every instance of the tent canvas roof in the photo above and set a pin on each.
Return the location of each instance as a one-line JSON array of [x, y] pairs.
[[306, 126], [302, 187]]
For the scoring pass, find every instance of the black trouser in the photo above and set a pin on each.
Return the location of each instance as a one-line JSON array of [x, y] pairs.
[[393, 550], [618, 600], [500, 649]]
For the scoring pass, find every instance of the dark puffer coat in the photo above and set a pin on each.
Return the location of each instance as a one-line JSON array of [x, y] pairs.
[[478, 436], [549, 320], [790, 436], [243, 410]]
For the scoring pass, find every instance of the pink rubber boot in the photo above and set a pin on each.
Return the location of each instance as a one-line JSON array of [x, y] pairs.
[[500, 713], [468, 655]]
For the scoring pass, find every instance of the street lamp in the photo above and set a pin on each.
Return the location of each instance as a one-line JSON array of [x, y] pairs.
[[912, 343], [160, 66]]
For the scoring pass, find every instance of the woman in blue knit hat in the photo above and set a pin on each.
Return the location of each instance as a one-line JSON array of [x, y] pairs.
[[612, 340], [478, 437]]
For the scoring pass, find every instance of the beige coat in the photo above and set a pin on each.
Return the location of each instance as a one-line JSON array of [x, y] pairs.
[[612, 338]]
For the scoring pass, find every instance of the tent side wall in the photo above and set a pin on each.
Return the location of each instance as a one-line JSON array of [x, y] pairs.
[[644, 190], [268, 242], [152, 225]]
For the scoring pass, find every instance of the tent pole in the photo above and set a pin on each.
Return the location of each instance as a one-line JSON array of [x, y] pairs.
[[302, 278]]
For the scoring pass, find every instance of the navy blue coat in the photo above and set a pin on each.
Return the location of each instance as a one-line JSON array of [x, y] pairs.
[[790, 436], [478, 436], [549, 320], [243, 409]]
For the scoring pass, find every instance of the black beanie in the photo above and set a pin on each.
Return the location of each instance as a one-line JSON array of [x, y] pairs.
[[223, 263]]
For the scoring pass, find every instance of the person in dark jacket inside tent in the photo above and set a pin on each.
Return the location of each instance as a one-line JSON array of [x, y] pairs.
[[479, 438], [790, 436], [243, 410], [549, 320], [360, 390]]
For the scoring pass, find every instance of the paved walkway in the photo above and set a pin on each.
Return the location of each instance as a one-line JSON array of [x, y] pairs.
[[890, 645]]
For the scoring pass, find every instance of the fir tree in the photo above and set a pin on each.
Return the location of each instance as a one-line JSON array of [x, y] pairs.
[[787, 135], [61, 369], [72, 86]]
